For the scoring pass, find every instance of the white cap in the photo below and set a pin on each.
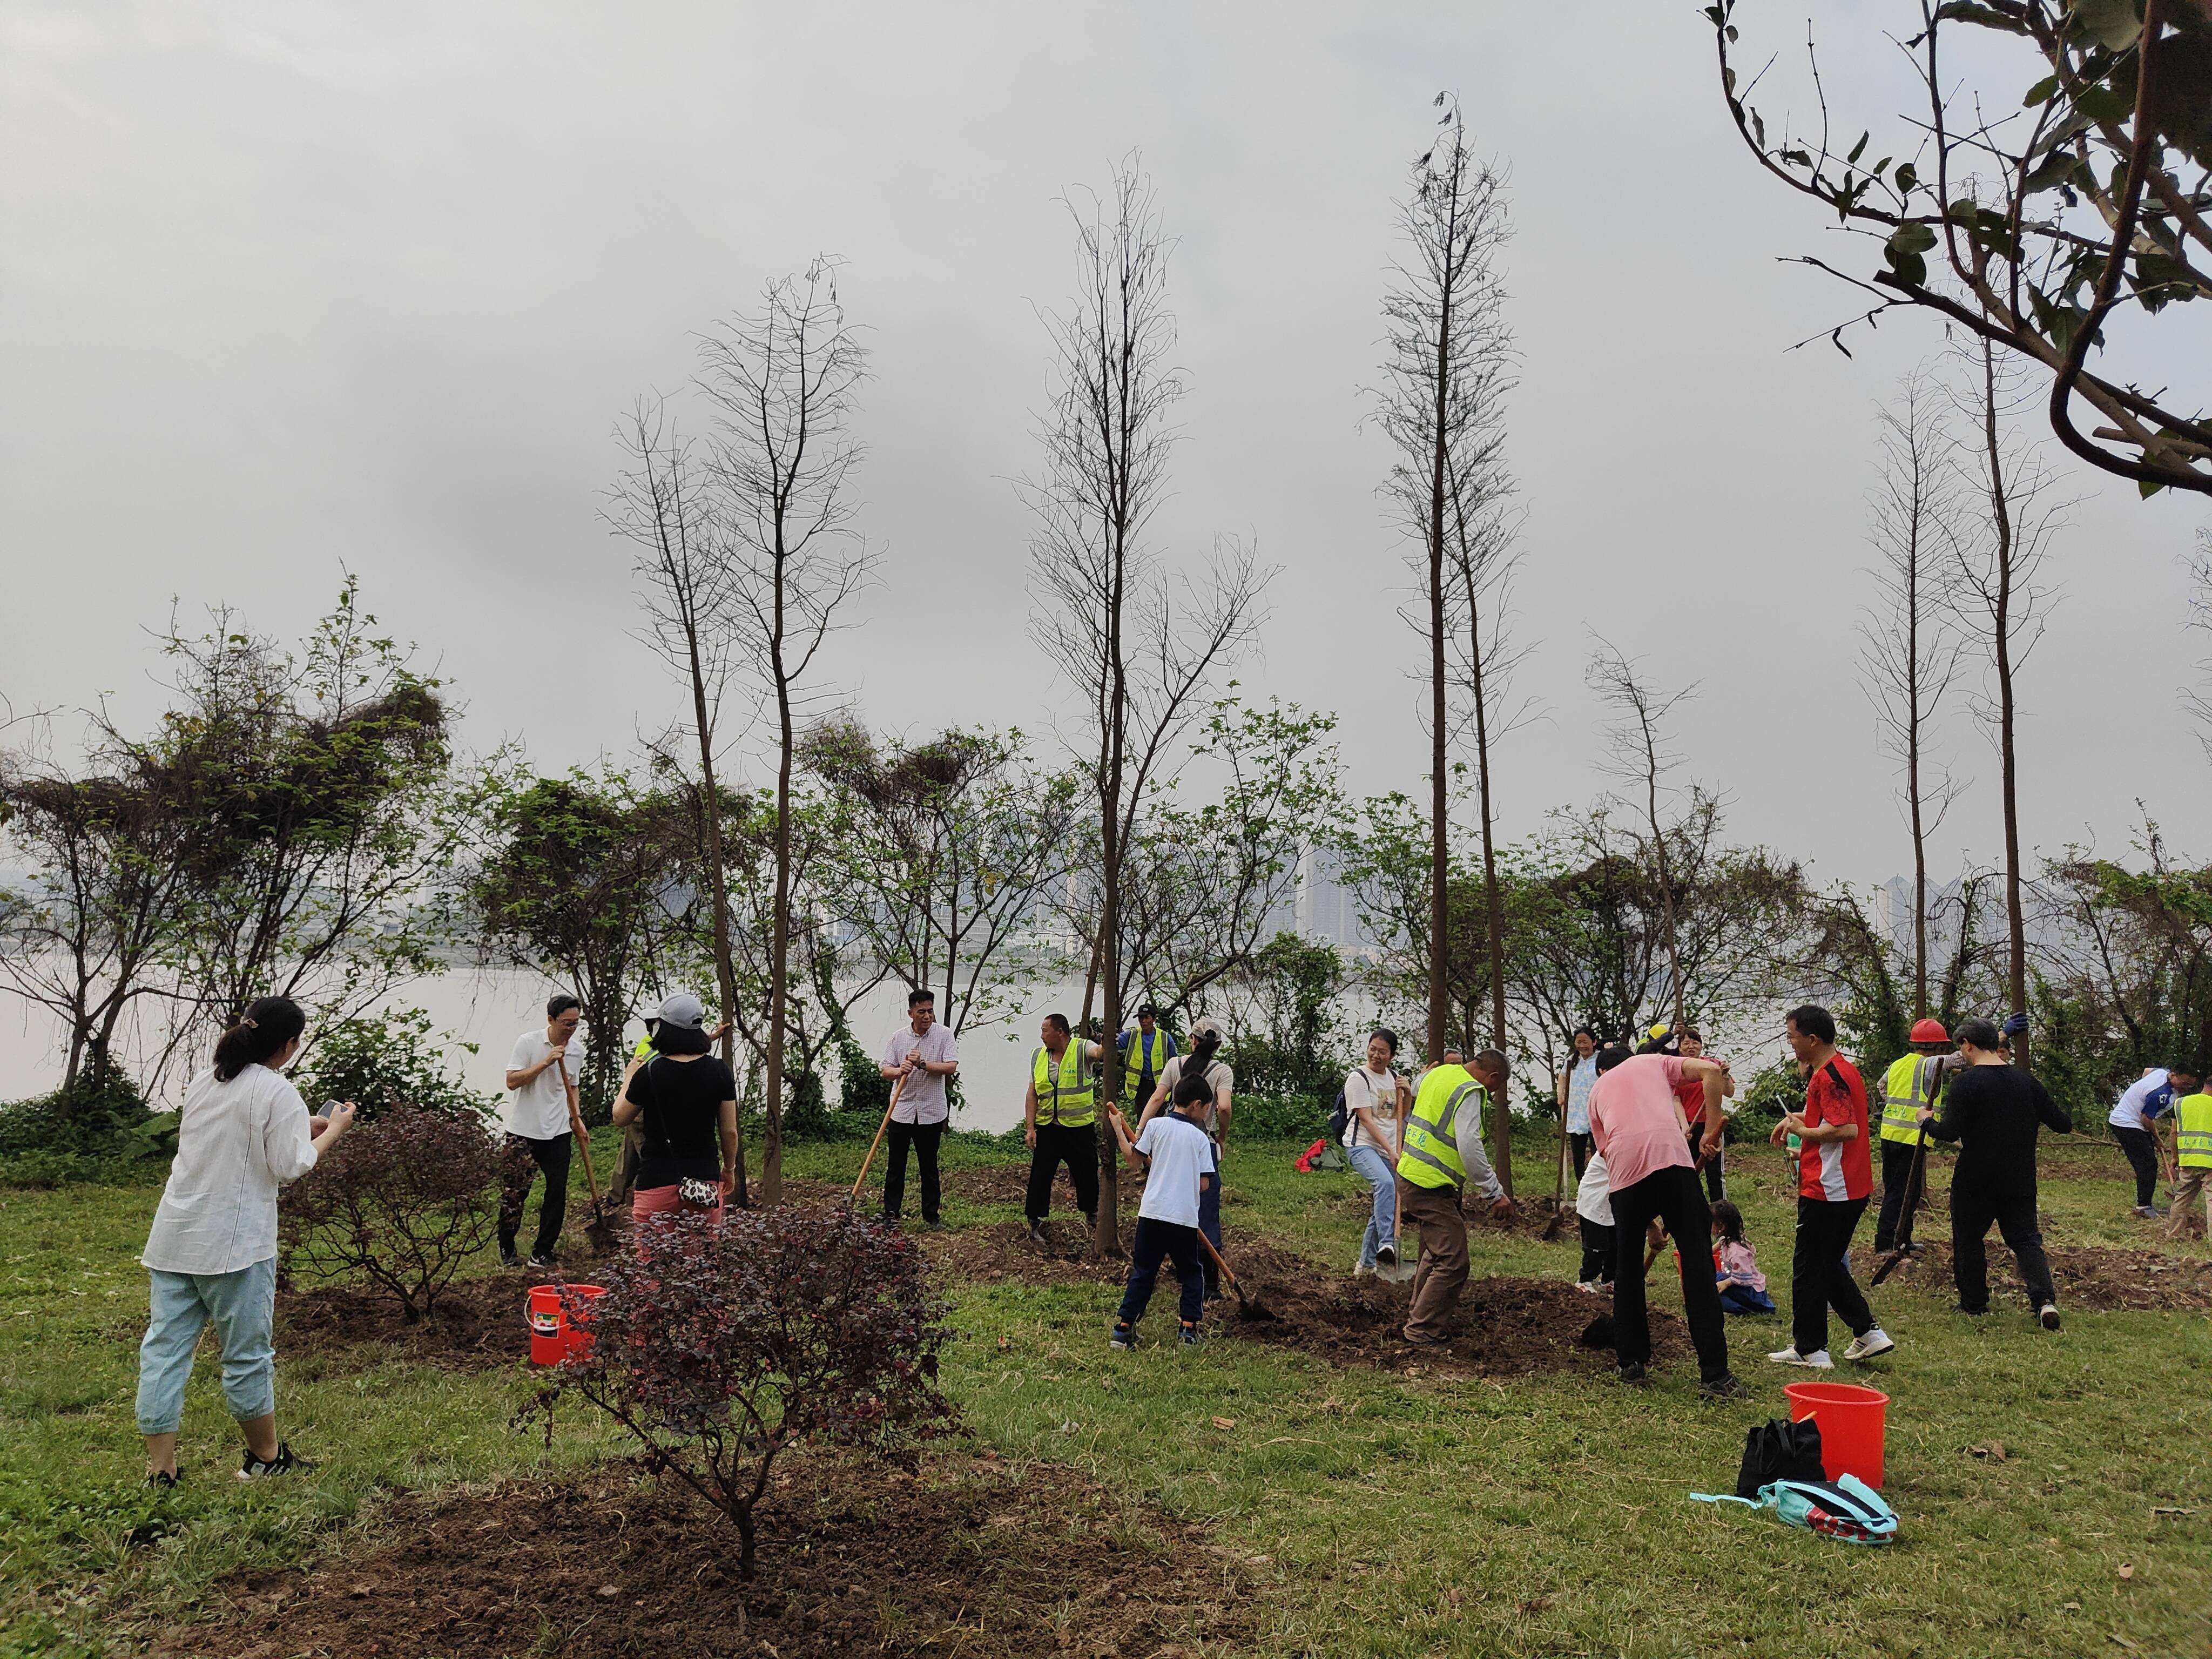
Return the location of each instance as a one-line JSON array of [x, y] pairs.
[[683, 1010]]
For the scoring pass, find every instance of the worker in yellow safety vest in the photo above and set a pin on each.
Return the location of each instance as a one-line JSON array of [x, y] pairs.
[[1914, 1078], [2193, 1156], [1441, 1152], [1059, 1117]]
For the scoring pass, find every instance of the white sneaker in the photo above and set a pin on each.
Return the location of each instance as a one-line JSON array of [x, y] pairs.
[[1361, 1270], [1587, 1285], [1816, 1361], [2049, 1315], [1873, 1343]]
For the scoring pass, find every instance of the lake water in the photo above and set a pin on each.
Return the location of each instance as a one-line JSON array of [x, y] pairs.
[[491, 1008]]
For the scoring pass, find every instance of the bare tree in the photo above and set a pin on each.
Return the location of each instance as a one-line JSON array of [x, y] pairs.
[[1104, 614], [1912, 645], [1446, 370], [664, 506], [1640, 754], [1999, 558], [786, 380]]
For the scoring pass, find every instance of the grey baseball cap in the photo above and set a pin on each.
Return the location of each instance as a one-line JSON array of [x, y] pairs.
[[683, 1010]]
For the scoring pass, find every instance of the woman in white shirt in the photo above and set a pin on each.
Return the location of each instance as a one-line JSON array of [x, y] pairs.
[[1371, 1095], [243, 1132]]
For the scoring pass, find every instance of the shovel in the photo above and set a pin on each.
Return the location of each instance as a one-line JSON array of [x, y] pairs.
[[1248, 1306], [860, 1179], [1915, 1184], [600, 1235]]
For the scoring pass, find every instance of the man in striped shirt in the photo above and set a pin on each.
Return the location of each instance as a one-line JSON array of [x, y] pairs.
[[1835, 1178]]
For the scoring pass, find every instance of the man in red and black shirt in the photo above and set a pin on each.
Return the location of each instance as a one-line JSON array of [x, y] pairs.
[[1835, 1179]]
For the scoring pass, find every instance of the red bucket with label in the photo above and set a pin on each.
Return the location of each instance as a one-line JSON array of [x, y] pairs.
[[548, 1336], [576, 1301]]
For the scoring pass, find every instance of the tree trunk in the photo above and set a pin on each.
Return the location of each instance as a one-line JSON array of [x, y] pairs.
[[1439, 830], [1501, 1124], [778, 936], [725, 973], [2001, 521]]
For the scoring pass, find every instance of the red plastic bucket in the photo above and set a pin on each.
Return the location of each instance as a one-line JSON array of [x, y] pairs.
[[1850, 1419], [576, 1300], [549, 1340]]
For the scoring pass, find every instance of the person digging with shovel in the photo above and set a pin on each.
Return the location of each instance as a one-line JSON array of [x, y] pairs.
[[684, 1097], [1914, 1080], [1180, 1157], [544, 1121], [1442, 1149]]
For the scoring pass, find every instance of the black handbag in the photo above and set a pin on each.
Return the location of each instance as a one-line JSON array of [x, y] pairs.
[[1778, 1450]]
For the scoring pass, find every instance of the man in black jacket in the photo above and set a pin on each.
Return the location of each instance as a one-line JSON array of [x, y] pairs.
[[1993, 1110]]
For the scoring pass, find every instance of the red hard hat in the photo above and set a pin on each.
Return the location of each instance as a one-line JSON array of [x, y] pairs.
[[1930, 1031]]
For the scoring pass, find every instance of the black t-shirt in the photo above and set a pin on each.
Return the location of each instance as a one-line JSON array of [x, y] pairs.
[[1994, 1112], [680, 1103]]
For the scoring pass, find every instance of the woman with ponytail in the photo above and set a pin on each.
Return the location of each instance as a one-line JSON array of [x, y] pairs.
[[242, 1133]]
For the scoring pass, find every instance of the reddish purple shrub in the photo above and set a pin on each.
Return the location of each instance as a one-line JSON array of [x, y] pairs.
[[402, 1200], [716, 1351]]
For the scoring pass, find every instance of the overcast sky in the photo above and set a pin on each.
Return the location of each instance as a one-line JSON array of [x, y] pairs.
[[289, 288]]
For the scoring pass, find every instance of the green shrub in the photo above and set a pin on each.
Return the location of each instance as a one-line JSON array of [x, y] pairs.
[[95, 1129], [376, 1060]]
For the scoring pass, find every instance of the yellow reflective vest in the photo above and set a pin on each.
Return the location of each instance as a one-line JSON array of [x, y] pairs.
[[2192, 1131], [1903, 1092], [1430, 1157], [1066, 1093]]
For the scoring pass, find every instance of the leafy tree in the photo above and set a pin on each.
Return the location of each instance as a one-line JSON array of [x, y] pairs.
[[957, 841], [2036, 198], [716, 1350], [1288, 1040], [573, 886]]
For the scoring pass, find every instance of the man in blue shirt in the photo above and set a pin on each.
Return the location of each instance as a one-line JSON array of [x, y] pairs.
[[2146, 1100]]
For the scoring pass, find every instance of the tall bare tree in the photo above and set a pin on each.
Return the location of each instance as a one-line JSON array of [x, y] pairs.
[[1999, 559], [784, 381], [1104, 615], [1912, 644], [1641, 754], [664, 506], [1447, 361]]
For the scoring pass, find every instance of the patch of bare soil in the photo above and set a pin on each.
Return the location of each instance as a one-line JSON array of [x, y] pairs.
[[475, 1325], [2095, 1277], [1009, 1184], [1000, 1251], [1506, 1327], [970, 1555]]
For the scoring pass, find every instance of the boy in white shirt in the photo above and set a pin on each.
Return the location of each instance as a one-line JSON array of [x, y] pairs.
[[1181, 1157]]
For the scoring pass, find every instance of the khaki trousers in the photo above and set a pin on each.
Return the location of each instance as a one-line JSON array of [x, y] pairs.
[[1442, 1274], [2193, 1191]]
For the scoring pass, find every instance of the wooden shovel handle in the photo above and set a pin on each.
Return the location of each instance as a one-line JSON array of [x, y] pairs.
[[860, 1180]]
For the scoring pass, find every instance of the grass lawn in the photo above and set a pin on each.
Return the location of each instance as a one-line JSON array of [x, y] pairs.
[[1396, 1515]]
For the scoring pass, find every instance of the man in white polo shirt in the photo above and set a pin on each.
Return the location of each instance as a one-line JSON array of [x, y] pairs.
[[544, 1117], [923, 1052]]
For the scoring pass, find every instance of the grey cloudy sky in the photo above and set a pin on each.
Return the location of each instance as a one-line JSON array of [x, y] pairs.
[[289, 286]]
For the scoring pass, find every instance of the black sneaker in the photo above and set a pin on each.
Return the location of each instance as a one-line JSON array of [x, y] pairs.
[[1633, 1372], [1124, 1336], [1970, 1313], [1191, 1336], [285, 1462], [1386, 1256], [1724, 1388], [161, 1479], [543, 1261], [508, 1257], [2049, 1315], [1036, 1234], [936, 1226]]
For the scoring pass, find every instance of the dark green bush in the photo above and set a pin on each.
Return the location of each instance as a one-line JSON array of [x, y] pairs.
[[95, 1129], [377, 1060]]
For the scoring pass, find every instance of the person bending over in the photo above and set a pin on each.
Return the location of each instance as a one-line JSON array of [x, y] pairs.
[[1442, 1151], [1180, 1158]]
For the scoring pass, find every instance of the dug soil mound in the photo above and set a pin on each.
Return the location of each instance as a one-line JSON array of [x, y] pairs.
[[1506, 1327], [1000, 1251], [477, 1323], [970, 1556], [1009, 1184], [2094, 1278]]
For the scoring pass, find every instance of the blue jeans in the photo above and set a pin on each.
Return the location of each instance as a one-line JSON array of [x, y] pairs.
[[1382, 1179], [242, 1306], [1742, 1299]]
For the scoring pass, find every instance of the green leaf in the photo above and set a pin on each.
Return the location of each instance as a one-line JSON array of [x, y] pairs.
[[1912, 239], [2103, 103], [1965, 11], [2053, 170], [2147, 487], [1909, 267], [1857, 150], [2112, 24], [1908, 177], [2041, 93]]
